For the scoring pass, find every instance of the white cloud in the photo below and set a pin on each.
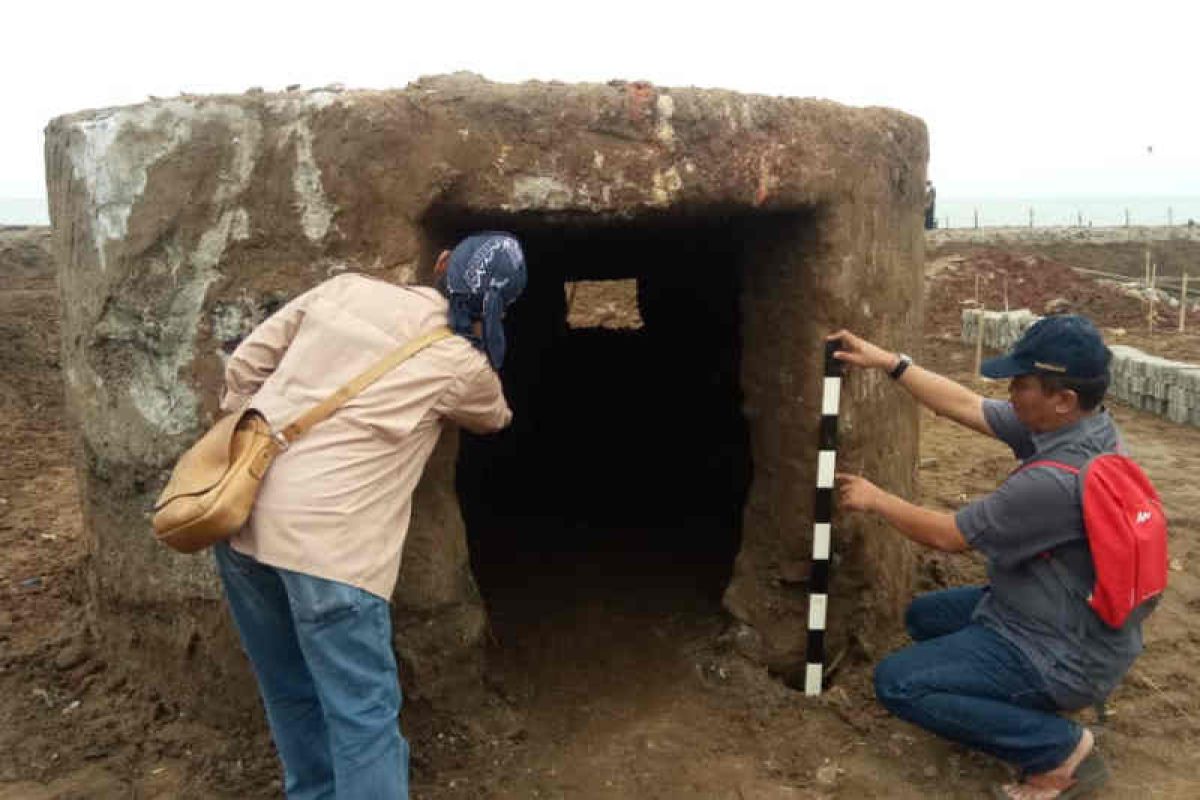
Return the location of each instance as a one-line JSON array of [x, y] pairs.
[[1050, 97]]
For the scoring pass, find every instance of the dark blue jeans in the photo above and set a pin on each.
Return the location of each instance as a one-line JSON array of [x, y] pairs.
[[322, 653], [967, 683]]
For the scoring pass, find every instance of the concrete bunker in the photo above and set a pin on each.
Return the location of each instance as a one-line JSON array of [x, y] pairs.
[[751, 225]]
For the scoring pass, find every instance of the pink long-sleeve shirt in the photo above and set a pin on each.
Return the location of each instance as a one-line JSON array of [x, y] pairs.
[[337, 503]]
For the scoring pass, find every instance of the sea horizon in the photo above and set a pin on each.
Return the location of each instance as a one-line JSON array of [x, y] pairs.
[[24, 211]]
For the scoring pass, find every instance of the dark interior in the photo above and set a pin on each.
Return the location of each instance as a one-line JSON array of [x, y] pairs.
[[627, 464]]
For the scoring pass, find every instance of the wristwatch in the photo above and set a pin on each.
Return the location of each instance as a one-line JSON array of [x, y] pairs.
[[904, 363]]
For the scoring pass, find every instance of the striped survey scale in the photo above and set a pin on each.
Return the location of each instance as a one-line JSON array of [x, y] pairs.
[[818, 586]]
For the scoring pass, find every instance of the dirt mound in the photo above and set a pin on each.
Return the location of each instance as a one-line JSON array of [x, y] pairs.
[[1027, 282], [1035, 281], [25, 259]]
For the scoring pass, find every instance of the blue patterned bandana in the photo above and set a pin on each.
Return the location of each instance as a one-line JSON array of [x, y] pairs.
[[486, 274]]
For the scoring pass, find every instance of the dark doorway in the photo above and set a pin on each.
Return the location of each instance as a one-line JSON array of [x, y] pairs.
[[626, 469]]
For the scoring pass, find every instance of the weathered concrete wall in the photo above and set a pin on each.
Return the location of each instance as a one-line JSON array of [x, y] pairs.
[[179, 224], [856, 266]]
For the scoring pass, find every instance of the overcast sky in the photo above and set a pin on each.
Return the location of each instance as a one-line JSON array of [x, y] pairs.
[[1046, 98]]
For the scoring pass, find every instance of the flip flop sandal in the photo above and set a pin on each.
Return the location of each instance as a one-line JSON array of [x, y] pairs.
[[1092, 773]]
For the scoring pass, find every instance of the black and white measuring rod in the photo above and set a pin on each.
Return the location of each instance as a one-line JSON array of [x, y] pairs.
[[818, 585]]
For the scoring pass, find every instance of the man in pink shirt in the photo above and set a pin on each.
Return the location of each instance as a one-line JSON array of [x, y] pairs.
[[309, 577]]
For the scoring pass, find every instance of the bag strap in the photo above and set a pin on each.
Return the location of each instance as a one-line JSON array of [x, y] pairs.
[[1060, 571], [1048, 463], [299, 426]]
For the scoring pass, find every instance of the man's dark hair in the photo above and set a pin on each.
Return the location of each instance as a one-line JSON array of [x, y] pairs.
[[1090, 391]]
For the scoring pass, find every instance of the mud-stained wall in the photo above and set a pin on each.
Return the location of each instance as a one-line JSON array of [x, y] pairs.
[[829, 272], [179, 224]]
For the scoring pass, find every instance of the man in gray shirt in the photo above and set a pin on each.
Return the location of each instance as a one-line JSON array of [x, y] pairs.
[[993, 665]]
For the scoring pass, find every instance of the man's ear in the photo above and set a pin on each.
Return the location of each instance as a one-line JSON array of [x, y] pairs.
[[1066, 401]]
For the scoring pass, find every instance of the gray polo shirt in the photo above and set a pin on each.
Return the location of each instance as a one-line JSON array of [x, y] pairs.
[[1039, 565]]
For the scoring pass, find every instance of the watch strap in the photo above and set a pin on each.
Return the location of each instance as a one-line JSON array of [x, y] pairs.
[[904, 363]]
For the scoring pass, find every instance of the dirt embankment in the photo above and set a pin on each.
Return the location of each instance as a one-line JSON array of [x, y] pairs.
[[1034, 274], [632, 694]]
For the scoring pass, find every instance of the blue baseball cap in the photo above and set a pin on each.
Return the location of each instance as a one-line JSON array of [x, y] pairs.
[[1064, 344]]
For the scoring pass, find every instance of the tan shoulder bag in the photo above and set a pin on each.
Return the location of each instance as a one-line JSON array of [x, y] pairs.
[[214, 484]]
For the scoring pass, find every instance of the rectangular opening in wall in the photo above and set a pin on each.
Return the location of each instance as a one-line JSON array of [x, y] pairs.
[[603, 304], [622, 481]]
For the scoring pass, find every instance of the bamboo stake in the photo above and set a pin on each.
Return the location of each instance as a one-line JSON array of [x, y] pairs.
[[1006, 294], [1147, 267], [1183, 304], [979, 347], [1153, 275], [976, 288]]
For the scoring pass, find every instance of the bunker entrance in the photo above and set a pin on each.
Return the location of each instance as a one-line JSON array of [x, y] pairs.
[[622, 480]]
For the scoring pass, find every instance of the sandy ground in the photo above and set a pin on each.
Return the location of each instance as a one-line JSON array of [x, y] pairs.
[[627, 691]]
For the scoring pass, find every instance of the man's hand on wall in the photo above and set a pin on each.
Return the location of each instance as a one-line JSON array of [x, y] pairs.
[[861, 353], [856, 493]]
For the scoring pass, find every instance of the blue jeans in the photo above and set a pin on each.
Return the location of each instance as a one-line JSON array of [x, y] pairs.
[[322, 653], [967, 683]]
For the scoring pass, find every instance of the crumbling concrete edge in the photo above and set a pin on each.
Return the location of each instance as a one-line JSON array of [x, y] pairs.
[[1161, 386]]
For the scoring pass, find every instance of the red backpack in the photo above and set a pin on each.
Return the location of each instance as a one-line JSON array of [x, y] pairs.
[[1126, 531]]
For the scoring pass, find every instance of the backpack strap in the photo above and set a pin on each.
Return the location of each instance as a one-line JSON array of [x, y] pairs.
[[1061, 572], [318, 413], [1048, 463]]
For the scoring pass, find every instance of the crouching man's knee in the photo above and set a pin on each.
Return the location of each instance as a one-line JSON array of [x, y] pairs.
[[892, 686]]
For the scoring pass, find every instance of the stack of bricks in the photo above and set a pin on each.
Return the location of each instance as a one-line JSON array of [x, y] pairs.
[[1167, 388], [1000, 328]]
